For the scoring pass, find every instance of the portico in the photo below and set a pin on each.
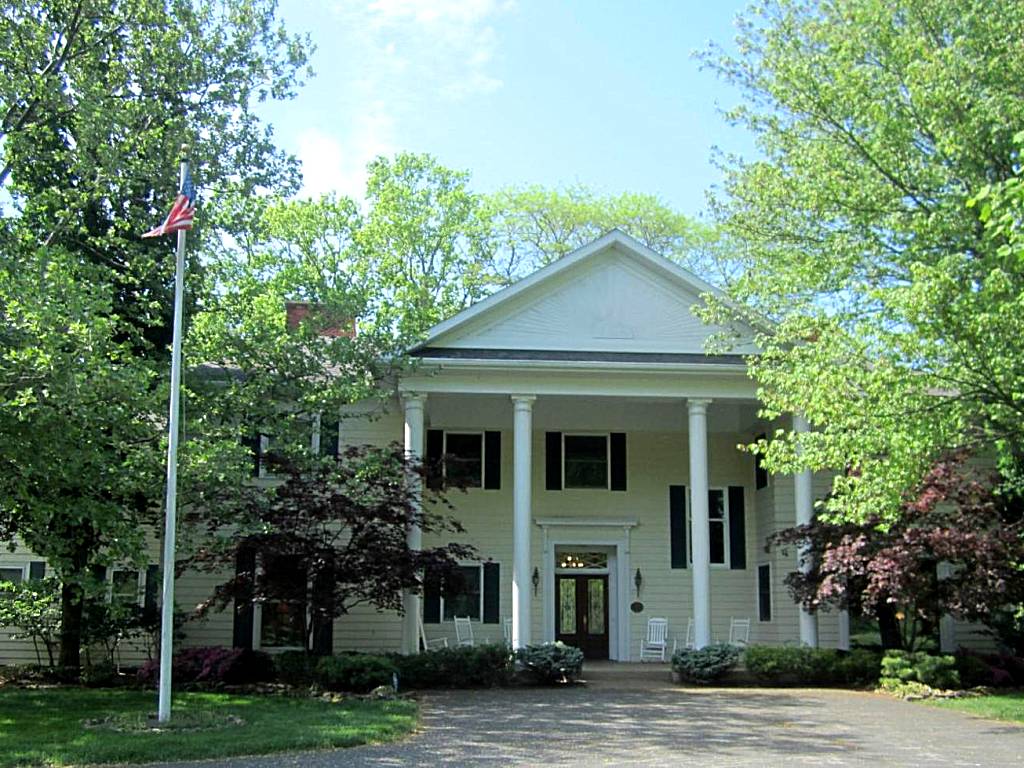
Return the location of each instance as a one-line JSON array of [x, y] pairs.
[[597, 427]]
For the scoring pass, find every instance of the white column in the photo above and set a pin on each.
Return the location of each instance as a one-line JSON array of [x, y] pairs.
[[804, 512], [699, 533], [414, 433], [844, 630], [522, 435]]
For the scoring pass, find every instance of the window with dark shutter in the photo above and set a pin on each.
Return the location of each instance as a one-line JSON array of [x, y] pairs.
[[764, 593], [737, 529], [464, 459], [463, 593], [586, 461], [329, 434], [677, 525]]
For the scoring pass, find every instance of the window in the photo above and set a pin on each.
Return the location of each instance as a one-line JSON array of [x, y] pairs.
[[764, 593], [718, 527], [127, 587], [465, 596], [283, 612], [329, 437], [586, 461], [13, 575], [464, 459]]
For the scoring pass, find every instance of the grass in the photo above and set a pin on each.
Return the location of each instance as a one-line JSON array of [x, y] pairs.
[[47, 726], [997, 706]]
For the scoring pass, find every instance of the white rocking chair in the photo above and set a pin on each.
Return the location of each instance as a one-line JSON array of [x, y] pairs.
[[429, 645], [463, 631], [691, 637], [739, 632], [653, 646]]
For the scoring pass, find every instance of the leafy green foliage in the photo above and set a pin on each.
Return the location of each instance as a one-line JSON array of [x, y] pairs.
[[812, 666], [32, 610], [877, 233], [552, 663], [479, 666], [900, 667], [705, 665], [357, 673]]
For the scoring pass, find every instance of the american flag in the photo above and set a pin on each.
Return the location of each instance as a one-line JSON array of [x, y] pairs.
[[182, 211]]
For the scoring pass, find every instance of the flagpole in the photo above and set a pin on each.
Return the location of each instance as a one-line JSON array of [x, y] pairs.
[[170, 520]]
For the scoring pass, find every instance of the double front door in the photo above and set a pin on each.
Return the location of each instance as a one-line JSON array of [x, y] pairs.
[[581, 613]]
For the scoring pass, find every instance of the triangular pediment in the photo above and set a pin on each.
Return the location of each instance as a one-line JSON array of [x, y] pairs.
[[615, 297]]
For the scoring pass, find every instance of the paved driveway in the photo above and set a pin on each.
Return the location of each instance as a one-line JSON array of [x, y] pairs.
[[629, 721]]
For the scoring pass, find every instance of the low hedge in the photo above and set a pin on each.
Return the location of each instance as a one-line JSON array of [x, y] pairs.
[[812, 666], [357, 673], [902, 667], [213, 665], [480, 666], [705, 665], [552, 663]]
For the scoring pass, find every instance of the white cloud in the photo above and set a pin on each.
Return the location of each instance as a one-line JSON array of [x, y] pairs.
[[402, 58], [333, 164]]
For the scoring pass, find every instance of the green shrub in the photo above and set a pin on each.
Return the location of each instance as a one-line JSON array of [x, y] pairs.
[[812, 666], [907, 667], [552, 662], [356, 673], [705, 665], [295, 667], [481, 666]]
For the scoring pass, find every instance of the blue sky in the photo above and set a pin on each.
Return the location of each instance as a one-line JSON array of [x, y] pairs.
[[607, 94]]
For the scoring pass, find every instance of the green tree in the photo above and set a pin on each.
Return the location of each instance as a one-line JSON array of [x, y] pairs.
[[95, 98], [533, 226], [894, 311]]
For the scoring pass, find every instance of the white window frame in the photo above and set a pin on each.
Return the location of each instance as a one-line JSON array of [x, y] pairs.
[[140, 584], [726, 563], [757, 594], [607, 460], [483, 454], [23, 567], [257, 617], [480, 608]]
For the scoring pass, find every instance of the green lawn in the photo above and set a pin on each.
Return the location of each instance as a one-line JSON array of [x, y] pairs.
[[45, 727], [998, 706]]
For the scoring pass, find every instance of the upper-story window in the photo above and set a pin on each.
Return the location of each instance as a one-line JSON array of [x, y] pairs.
[[586, 461], [464, 459]]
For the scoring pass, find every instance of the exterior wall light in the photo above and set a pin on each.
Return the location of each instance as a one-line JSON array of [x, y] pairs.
[[536, 580], [639, 581]]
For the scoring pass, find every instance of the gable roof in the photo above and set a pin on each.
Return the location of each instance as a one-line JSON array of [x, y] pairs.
[[614, 295]]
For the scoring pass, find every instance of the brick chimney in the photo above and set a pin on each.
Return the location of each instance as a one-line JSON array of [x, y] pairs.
[[297, 311]]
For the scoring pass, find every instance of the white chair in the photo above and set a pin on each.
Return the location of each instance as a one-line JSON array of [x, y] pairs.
[[463, 631], [429, 645], [656, 643], [691, 637], [506, 632], [739, 632]]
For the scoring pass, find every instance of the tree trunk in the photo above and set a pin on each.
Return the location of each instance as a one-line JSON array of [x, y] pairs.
[[888, 627], [71, 604]]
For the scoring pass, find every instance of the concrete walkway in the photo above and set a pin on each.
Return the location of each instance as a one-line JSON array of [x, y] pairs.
[[629, 715]]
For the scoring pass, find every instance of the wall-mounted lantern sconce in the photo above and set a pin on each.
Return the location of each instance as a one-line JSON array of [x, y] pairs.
[[639, 581], [536, 580]]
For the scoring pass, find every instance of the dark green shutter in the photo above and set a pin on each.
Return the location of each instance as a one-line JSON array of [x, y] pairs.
[[492, 593], [553, 461], [492, 461], [245, 571], [618, 461], [329, 438], [435, 455], [737, 529], [152, 587], [760, 473], [677, 524], [323, 612], [431, 599], [37, 569], [254, 443]]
